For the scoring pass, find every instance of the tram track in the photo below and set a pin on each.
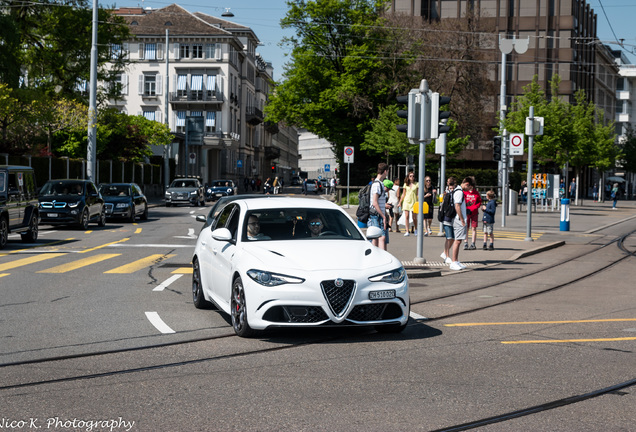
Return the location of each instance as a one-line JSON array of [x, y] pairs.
[[620, 243]]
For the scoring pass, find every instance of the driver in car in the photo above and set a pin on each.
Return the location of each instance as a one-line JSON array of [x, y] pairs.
[[254, 229], [315, 226]]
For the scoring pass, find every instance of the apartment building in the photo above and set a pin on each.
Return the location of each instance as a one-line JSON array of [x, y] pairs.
[[203, 77]]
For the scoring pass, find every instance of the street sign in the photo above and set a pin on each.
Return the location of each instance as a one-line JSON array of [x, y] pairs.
[[348, 155], [239, 163], [193, 158], [516, 144], [327, 167]]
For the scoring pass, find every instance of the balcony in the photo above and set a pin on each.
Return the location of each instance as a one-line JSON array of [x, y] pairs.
[[272, 152], [623, 118], [194, 96], [254, 116]]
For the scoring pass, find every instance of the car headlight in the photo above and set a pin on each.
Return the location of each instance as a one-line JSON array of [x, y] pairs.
[[122, 205], [168, 195], [272, 279], [394, 276], [209, 191], [193, 193], [73, 204]]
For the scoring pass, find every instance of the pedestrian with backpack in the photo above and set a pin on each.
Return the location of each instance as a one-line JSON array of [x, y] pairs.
[[445, 216], [377, 207], [459, 222]]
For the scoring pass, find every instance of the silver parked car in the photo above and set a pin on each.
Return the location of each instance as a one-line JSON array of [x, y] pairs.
[[185, 190]]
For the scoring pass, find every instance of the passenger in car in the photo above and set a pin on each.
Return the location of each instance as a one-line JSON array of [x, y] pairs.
[[254, 228]]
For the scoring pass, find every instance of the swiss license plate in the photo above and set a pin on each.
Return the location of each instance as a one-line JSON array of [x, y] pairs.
[[379, 295], [51, 215]]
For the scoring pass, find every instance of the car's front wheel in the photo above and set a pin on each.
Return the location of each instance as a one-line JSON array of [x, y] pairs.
[[197, 288], [131, 219], [144, 215], [32, 234], [101, 222], [84, 220], [238, 308]]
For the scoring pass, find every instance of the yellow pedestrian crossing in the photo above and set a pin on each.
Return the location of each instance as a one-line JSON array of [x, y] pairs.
[[26, 261], [139, 264], [74, 265], [513, 235]]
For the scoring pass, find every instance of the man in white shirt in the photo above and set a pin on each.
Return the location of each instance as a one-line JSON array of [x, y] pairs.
[[459, 223]]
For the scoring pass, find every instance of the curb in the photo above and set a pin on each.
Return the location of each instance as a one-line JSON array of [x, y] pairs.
[[537, 250]]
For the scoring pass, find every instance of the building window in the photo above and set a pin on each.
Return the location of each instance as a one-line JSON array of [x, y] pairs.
[[210, 121], [211, 87], [196, 87], [210, 51], [180, 121], [184, 51], [150, 85], [115, 51], [197, 51], [150, 51], [182, 86], [149, 115]]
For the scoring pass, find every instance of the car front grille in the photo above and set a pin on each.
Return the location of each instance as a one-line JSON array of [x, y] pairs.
[[375, 312], [338, 297], [50, 205]]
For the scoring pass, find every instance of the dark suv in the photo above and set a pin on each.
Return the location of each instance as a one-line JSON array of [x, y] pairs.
[[71, 202], [18, 203]]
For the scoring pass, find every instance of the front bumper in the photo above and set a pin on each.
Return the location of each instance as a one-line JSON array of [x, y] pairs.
[[112, 211], [317, 303]]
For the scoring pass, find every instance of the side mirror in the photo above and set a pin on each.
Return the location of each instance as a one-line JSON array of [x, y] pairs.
[[201, 218], [374, 232], [222, 234]]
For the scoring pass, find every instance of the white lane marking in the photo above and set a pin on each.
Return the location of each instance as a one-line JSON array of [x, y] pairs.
[[165, 284], [189, 236], [156, 321], [417, 316]]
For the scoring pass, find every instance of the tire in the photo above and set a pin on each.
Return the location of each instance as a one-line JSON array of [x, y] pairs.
[[84, 220], [238, 309], [101, 222], [144, 215], [197, 290], [131, 219], [4, 232], [31, 236], [167, 204]]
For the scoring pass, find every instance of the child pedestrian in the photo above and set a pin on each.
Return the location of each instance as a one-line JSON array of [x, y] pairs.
[[489, 210]]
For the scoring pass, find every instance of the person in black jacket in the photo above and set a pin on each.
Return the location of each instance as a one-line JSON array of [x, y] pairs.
[[489, 210]]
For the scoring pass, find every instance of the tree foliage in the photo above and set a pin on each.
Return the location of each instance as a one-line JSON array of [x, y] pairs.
[[577, 134]]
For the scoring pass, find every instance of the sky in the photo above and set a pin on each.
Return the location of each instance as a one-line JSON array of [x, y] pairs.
[[615, 21]]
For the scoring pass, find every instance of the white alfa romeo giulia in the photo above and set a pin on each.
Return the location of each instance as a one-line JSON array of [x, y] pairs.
[[302, 262]]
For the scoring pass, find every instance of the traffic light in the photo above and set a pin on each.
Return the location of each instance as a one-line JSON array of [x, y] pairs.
[[273, 168], [496, 148], [437, 116], [412, 116]]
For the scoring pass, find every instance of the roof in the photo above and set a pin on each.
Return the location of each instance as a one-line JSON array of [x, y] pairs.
[[174, 18], [286, 202]]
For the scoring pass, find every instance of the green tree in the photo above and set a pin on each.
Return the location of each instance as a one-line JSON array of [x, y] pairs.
[[54, 40], [628, 151]]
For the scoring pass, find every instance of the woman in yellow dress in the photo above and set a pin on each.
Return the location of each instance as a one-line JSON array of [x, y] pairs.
[[409, 198]]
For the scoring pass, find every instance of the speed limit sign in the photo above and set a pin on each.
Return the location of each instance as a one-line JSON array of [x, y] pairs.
[[516, 144]]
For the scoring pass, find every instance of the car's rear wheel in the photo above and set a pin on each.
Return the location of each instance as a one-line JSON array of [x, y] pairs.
[[4, 232], [84, 220], [238, 310], [32, 234], [197, 288]]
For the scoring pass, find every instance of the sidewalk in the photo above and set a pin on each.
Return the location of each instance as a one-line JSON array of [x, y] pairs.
[[510, 241]]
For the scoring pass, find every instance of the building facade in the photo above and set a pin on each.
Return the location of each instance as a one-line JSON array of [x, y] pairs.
[[317, 156], [202, 76]]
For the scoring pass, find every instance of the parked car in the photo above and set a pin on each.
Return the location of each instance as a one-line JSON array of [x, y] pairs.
[[296, 181], [312, 186], [18, 203], [71, 202], [252, 263], [185, 190], [124, 200], [220, 188]]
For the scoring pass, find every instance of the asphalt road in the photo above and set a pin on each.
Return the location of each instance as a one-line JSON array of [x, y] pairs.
[[99, 326]]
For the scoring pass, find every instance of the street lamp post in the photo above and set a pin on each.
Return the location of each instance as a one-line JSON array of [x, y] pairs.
[[92, 104]]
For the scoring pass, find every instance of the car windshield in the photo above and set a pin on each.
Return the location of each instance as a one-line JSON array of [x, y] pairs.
[[220, 183], [183, 183], [114, 190], [301, 223], [62, 188]]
